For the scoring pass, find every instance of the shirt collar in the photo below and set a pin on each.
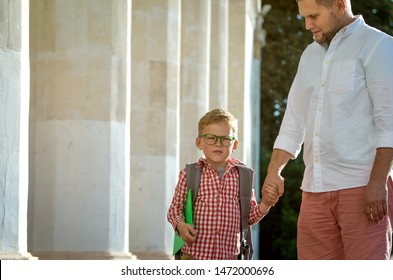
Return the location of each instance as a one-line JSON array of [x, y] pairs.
[[232, 162], [347, 30], [350, 28]]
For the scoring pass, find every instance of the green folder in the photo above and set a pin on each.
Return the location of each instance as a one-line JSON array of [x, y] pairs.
[[178, 242]]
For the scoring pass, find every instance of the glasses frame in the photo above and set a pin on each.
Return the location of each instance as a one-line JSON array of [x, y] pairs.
[[218, 137]]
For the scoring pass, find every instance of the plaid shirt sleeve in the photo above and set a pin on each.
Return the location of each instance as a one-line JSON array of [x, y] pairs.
[[175, 212], [255, 214]]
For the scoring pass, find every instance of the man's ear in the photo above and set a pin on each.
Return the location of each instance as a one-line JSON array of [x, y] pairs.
[[341, 6]]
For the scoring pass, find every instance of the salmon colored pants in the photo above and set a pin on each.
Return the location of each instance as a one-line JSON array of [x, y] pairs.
[[333, 226]]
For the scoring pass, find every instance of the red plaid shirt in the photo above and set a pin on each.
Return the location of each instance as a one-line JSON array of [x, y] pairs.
[[216, 212]]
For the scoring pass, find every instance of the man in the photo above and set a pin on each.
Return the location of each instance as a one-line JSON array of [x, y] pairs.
[[340, 108]]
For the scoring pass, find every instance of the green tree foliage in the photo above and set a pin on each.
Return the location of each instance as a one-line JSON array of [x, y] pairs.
[[286, 40]]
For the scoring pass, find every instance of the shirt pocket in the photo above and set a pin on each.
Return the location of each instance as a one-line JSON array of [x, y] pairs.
[[343, 77]]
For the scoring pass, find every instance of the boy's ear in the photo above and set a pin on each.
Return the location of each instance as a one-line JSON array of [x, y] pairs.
[[235, 145], [198, 143]]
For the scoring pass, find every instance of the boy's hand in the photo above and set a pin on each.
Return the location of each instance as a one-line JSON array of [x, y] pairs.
[[186, 231]]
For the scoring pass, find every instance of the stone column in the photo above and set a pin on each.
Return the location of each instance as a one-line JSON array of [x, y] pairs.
[[244, 76], [80, 129], [14, 120], [236, 71], [194, 75], [154, 124], [218, 97]]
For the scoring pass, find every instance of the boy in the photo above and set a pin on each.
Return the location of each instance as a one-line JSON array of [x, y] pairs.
[[216, 231]]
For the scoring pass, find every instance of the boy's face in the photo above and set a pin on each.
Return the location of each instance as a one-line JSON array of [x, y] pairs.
[[217, 154]]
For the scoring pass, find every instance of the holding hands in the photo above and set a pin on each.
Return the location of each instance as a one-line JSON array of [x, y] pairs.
[[272, 189], [270, 195]]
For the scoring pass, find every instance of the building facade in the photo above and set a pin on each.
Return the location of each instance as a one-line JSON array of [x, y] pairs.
[[99, 104]]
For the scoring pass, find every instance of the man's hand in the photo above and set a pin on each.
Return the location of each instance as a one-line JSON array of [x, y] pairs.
[[274, 181], [270, 195], [376, 201], [376, 194]]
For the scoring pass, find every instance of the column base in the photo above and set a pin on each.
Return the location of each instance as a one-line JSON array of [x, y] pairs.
[[17, 256], [85, 256], [147, 255]]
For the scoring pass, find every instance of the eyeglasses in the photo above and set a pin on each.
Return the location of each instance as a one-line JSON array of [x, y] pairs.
[[211, 139]]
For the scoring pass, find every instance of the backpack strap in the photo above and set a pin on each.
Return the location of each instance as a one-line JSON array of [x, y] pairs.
[[193, 178], [246, 182]]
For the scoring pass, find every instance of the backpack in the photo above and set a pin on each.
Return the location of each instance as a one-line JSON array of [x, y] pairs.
[[246, 182]]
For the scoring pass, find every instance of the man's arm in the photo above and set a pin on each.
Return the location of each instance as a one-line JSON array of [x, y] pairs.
[[376, 192]]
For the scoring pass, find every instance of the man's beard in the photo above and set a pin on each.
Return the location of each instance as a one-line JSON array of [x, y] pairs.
[[327, 37]]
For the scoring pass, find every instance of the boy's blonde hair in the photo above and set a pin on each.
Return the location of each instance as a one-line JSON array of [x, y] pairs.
[[217, 116]]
